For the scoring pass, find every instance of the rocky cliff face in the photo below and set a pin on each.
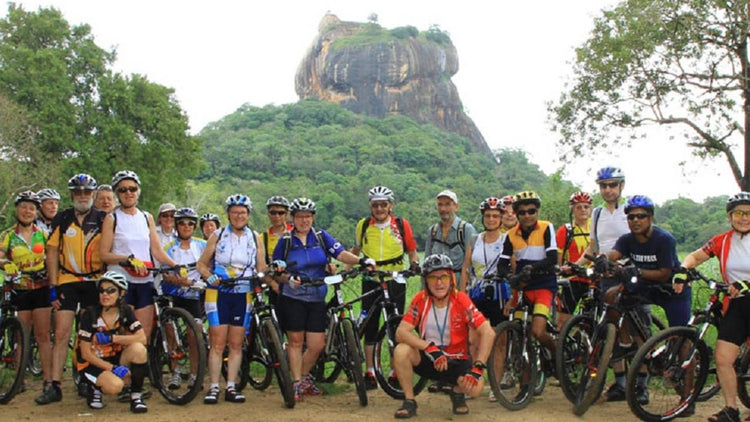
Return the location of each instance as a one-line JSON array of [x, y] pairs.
[[367, 70]]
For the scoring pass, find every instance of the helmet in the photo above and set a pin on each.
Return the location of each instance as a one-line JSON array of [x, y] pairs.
[[186, 212], [278, 201], [436, 262], [302, 204], [491, 203], [639, 201], [238, 199], [209, 216], [82, 181], [380, 193], [48, 193], [609, 172], [525, 198], [28, 196], [115, 278], [125, 174], [507, 200], [742, 198], [579, 197]]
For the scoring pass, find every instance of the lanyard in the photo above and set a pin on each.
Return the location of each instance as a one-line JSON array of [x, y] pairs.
[[441, 330]]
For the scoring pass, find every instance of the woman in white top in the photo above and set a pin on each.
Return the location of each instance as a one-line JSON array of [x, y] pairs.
[[129, 235]]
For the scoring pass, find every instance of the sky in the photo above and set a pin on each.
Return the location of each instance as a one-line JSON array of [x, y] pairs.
[[514, 58]]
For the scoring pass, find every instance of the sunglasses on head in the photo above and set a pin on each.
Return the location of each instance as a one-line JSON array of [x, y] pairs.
[[530, 211], [639, 216], [443, 277], [610, 185], [108, 290], [277, 212], [740, 213], [131, 189], [186, 223]]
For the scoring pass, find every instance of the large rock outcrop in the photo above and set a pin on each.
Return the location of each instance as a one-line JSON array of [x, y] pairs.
[[368, 69]]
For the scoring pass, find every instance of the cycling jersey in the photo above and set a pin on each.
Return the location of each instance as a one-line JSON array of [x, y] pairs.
[[92, 323], [607, 226], [270, 240], [234, 256], [184, 256], [576, 239], [383, 242], [24, 256], [78, 245], [733, 250], [529, 249], [43, 225], [451, 332]]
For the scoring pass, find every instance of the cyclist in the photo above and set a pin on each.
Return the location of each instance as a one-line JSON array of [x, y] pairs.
[[572, 240], [302, 308], [50, 199], [129, 235], [209, 223], [233, 251], [277, 208], [451, 236], [731, 249], [105, 198], [384, 238], [22, 254], [165, 228], [509, 219], [185, 250], [533, 245], [442, 316], [112, 345], [73, 265]]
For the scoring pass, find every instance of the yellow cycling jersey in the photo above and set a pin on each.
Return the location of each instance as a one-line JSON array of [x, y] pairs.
[[384, 243]]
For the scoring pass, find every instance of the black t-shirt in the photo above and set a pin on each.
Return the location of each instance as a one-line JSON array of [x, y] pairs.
[[91, 323]]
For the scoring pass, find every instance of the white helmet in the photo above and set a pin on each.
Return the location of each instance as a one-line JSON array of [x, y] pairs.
[[115, 278], [380, 193]]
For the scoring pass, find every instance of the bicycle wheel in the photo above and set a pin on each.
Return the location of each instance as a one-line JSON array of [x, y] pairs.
[[677, 364], [384, 372], [34, 366], [14, 356], [354, 362], [278, 360], [742, 367], [512, 370], [573, 344], [256, 369], [594, 373], [181, 352], [711, 387]]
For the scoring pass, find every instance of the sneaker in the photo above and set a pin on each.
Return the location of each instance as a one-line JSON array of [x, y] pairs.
[[233, 396], [49, 395], [615, 393], [370, 382], [311, 389], [299, 391], [492, 398], [212, 397], [138, 406], [192, 380], [124, 395], [175, 381], [94, 400], [641, 395]]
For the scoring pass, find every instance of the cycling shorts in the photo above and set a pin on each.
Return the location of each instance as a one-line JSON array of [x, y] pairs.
[[456, 368], [140, 295], [28, 300], [193, 306], [735, 326], [228, 308], [91, 372], [541, 299], [77, 292], [298, 315]]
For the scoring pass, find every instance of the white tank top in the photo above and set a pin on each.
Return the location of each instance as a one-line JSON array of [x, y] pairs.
[[132, 236], [484, 256]]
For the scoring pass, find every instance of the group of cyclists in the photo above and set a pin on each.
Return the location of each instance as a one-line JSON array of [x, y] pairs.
[[91, 264]]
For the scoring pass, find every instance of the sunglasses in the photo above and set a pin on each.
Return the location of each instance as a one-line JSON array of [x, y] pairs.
[[81, 192], [610, 185], [131, 189], [277, 212], [639, 216], [108, 290], [740, 213], [379, 204], [530, 211], [443, 277], [186, 223]]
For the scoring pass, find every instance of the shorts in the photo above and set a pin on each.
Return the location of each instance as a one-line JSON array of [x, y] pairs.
[[298, 315], [91, 372], [572, 295], [541, 299], [677, 308], [228, 308], [735, 326], [193, 306], [456, 368], [397, 293], [140, 295], [28, 300], [77, 292]]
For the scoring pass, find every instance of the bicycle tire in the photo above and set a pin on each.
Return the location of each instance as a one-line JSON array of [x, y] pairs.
[[256, 369], [711, 387], [353, 366], [743, 376], [163, 362], [383, 352], [511, 356], [14, 356], [34, 366], [573, 342], [595, 373], [279, 361], [663, 356], [541, 376]]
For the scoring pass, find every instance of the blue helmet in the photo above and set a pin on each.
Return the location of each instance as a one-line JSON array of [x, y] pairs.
[[610, 172], [239, 200], [639, 201]]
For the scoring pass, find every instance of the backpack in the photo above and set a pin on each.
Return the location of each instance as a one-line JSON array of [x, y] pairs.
[[287, 239], [595, 227], [460, 242], [363, 233]]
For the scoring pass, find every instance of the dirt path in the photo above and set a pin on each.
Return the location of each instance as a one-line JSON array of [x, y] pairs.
[[342, 407]]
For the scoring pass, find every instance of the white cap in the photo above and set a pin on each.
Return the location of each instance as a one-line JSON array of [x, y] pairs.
[[450, 194], [167, 207]]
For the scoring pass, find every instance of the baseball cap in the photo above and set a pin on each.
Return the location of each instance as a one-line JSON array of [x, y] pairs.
[[450, 194], [167, 207]]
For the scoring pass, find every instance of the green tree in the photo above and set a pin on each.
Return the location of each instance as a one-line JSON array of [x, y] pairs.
[[663, 62]]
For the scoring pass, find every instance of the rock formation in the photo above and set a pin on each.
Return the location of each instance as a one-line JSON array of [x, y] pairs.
[[371, 70]]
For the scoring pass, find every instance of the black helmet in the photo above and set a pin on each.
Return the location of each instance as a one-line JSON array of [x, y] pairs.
[[209, 216], [302, 204]]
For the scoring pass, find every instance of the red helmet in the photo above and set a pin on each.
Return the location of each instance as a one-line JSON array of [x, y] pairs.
[[491, 203], [578, 197], [507, 200]]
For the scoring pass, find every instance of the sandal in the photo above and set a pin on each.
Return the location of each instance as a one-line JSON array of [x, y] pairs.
[[458, 400], [407, 410], [727, 414]]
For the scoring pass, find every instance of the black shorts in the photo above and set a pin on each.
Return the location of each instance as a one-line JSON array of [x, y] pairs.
[[193, 306], [735, 326], [140, 295], [572, 295], [298, 315], [456, 368], [77, 292], [397, 293], [91, 372], [28, 300]]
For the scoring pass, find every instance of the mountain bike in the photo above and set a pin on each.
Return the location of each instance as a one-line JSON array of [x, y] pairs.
[[14, 345]]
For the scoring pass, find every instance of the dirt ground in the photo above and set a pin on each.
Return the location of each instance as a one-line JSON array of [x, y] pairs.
[[340, 407]]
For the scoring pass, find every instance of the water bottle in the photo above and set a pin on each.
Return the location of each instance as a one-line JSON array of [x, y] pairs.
[[361, 318]]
